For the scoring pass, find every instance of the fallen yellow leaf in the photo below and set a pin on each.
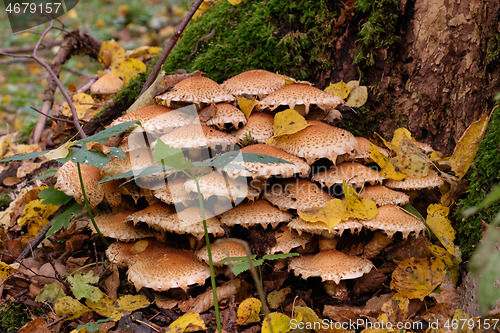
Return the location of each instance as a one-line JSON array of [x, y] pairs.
[[451, 262], [437, 221], [234, 2], [60, 152], [68, 306], [111, 52], [357, 208], [247, 105], [127, 69], [331, 214], [279, 322], [35, 210], [5, 270], [190, 322], [388, 170], [358, 94], [83, 104], [417, 277], [409, 159], [467, 146], [287, 122], [108, 307], [339, 89], [248, 311]]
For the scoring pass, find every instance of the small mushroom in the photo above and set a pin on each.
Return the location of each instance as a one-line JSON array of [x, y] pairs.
[[317, 141], [224, 114], [142, 114], [392, 219], [68, 181], [382, 195], [173, 192], [216, 184], [299, 194], [259, 212], [287, 239], [125, 254], [362, 151], [198, 136], [413, 183], [255, 82], [107, 84], [221, 249], [352, 173], [259, 127], [116, 226]]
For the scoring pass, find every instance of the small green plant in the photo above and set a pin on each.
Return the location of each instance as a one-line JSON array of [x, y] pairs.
[[13, 316], [242, 264]]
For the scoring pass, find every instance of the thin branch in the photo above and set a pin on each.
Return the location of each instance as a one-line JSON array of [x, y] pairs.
[[20, 49], [170, 45], [51, 117]]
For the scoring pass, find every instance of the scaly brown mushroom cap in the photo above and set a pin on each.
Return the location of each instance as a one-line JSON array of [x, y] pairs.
[[362, 151], [382, 195], [413, 183], [286, 240], [188, 221], [173, 192], [317, 228], [173, 269], [142, 114], [116, 226], [68, 181], [351, 172], [198, 136], [136, 159], [197, 89], [259, 126], [330, 265], [106, 85], [222, 248], [392, 219], [318, 141], [299, 194], [217, 184], [253, 213], [266, 170], [254, 82], [125, 254], [169, 121], [226, 114], [300, 94]]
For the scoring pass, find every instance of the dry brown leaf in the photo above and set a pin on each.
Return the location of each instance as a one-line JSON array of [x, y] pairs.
[[206, 300]]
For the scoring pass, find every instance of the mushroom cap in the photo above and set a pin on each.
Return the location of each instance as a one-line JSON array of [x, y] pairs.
[[173, 192], [222, 248], [260, 127], [299, 194], [352, 173], [197, 136], [226, 114], [217, 184], [330, 265], [252, 213], [362, 150], [317, 228], [318, 141], [116, 226], [382, 195], [107, 84], [197, 89], [187, 221], [392, 219], [169, 121], [142, 114], [68, 181], [300, 94], [173, 269], [254, 82], [287, 239], [413, 183], [125, 254], [266, 170], [136, 159]]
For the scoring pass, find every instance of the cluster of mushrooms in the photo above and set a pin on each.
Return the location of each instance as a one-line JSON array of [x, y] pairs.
[[262, 197]]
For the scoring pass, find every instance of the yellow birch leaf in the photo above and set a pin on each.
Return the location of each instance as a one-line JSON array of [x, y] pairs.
[[451, 262], [467, 146], [437, 221], [68, 306], [248, 311], [60, 152], [279, 322], [358, 94], [202, 9], [16, 149], [111, 52], [5, 270], [35, 210], [247, 105], [83, 103], [190, 322], [396, 308], [234, 2], [417, 277], [127, 69], [410, 160], [276, 297], [309, 317], [4, 144], [331, 214], [288, 122], [132, 302], [362, 209], [398, 136], [115, 309], [387, 168], [339, 89]]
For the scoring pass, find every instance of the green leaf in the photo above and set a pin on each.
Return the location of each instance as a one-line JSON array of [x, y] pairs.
[[47, 174], [150, 170], [62, 220], [103, 136], [410, 210], [277, 256], [54, 196], [50, 293], [27, 156], [116, 152], [170, 156], [226, 160], [241, 267], [93, 327], [81, 286], [84, 156]]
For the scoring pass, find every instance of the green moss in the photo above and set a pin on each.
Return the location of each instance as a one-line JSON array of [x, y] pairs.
[[25, 132], [493, 48], [13, 316], [482, 175], [378, 31], [289, 37], [5, 200]]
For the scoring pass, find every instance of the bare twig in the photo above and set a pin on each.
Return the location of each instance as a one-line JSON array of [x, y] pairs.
[[170, 45], [21, 49], [36, 241], [51, 117]]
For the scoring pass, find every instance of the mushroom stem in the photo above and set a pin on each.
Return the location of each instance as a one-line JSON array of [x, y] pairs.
[[337, 291], [327, 241], [379, 241]]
